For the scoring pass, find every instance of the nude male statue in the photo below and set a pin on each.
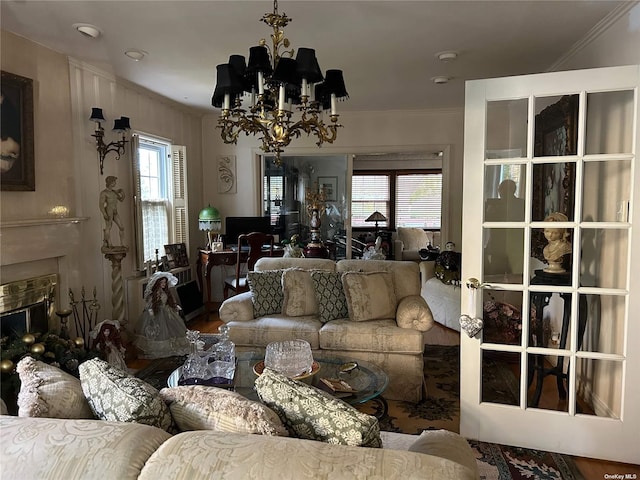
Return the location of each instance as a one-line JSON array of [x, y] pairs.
[[109, 198]]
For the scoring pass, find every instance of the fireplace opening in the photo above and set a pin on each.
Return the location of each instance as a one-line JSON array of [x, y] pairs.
[[27, 305]]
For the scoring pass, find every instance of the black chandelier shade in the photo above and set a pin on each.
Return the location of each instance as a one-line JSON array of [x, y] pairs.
[[235, 78], [307, 65]]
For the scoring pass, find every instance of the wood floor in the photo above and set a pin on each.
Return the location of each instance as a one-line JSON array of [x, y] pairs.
[[591, 469]]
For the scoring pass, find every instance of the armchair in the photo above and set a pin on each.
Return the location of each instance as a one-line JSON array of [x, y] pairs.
[[409, 241]]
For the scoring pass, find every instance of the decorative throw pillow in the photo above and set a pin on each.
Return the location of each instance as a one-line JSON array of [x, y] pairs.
[[47, 391], [332, 303], [266, 292], [197, 407], [116, 396], [414, 312], [299, 298], [370, 295], [314, 415]]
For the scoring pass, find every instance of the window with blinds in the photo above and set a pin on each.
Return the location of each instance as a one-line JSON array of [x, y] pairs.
[[369, 193], [419, 200], [161, 196], [405, 199]]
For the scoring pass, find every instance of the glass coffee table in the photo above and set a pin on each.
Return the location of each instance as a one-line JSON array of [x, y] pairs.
[[367, 380]]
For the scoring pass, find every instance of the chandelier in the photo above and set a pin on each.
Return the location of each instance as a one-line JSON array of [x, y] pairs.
[[284, 96]]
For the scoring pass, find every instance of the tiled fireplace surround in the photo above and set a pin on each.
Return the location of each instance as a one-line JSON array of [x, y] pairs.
[[36, 248]]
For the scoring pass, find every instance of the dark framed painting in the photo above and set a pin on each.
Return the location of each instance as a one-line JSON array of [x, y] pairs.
[[556, 134], [176, 255], [330, 187], [17, 167]]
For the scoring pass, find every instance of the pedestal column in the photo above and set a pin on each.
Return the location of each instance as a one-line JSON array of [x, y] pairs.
[[115, 256]]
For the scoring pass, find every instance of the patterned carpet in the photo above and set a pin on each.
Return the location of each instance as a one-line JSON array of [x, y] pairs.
[[440, 410]]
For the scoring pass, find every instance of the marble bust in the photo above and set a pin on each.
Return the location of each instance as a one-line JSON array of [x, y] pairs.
[[558, 246]]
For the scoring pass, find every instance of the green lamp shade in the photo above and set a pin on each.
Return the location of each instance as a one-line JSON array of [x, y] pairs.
[[209, 219]]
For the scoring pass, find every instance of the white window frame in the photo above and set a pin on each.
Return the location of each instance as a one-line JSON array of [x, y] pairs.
[[173, 200]]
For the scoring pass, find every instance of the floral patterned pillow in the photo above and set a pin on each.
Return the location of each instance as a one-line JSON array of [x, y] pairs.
[[370, 295], [116, 396], [299, 297], [47, 391], [314, 415], [198, 407], [266, 292]]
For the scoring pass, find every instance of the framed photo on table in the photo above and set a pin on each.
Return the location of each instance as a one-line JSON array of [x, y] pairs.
[[176, 255], [17, 163], [330, 187]]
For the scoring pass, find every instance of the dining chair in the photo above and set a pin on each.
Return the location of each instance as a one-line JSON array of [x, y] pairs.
[[251, 247]]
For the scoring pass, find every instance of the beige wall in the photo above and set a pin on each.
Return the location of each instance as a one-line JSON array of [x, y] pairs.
[[363, 132], [52, 121], [67, 169]]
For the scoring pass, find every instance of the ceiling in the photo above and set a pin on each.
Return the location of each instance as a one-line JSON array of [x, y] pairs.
[[387, 49]]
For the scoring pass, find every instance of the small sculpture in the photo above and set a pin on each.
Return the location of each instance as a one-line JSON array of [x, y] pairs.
[[107, 340], [109, 198], [160, 331], [374, 252], [558, 245]]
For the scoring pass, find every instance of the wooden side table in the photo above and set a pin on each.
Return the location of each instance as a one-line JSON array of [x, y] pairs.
[[209, 259], [540, 300]]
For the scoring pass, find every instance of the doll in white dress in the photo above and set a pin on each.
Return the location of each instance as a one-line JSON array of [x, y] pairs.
[[160, 331]]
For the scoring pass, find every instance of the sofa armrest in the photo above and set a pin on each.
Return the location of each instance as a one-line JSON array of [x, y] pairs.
[[238, 308], [427, 271], [398, 247]]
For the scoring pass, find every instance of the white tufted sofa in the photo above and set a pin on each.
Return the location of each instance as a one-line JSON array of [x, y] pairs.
[[53, 449]]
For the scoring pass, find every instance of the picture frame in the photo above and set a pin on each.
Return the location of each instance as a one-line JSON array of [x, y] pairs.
[[177, 255], [556, 134], [330, 187], [17, 170]]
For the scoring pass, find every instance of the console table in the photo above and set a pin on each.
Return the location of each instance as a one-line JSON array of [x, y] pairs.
[[539, 300]]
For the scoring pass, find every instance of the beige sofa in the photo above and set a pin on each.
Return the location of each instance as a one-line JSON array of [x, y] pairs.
[[47, 448], [398, 351]]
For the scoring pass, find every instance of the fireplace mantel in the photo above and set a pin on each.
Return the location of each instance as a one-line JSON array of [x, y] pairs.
[[42, 221]]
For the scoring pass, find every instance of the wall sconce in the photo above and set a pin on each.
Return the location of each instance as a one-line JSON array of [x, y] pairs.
[[119, 125]]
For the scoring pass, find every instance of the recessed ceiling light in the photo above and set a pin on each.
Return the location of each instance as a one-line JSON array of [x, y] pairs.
[[447, 56], [440, 80], [135, 54], [88, 30]]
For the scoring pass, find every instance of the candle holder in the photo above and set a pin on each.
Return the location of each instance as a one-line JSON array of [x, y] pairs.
[[64, 329]]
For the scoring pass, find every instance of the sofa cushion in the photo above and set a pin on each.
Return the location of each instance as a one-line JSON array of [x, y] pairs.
[[414, 312], [373, 336], [197, 407], [47, 391], [370, 295], [312, 414], [406, 275], [195, 455], [329, 293], [53, 448], [299, 297], [116, 396], [260, 332], [266, 292]]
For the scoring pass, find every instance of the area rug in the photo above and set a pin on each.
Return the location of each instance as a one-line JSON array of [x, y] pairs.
[[441, 410]]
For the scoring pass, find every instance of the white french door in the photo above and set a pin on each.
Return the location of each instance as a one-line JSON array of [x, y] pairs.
[[557, 146]]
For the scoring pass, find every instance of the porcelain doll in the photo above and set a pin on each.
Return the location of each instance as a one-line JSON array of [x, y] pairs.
[[160, 331]]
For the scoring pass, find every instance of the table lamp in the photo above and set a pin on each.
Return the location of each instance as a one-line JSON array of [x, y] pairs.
[[209, 221], [376, 217]]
